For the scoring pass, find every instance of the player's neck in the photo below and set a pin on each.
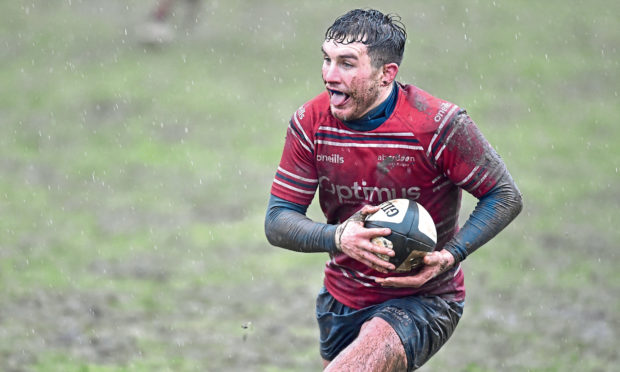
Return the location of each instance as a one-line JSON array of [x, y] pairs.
[[384, 94], [379, 114]]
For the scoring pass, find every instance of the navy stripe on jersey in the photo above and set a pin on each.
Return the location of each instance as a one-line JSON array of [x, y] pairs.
[[433, 145], [298, 125], [345, 138], [441, 139], [445, 136], [441, 135], [476, 177], [367, 139], [292, 181], [482, 176], [292, 126], [355, 275], [477, 174], [295, 182], [300, 137]]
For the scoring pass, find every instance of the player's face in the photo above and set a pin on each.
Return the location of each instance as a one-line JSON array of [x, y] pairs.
[[351, 81]]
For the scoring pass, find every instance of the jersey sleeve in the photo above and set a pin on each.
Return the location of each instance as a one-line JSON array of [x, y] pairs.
[[463, 154], [296, 177]]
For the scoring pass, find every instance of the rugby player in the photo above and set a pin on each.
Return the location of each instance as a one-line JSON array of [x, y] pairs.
[[364, 140]]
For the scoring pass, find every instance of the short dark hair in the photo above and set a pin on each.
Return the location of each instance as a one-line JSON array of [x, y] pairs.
[[383, 34]]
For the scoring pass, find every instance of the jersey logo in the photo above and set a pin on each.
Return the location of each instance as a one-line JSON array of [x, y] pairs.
[[301, 112], [442, 111], [362, 191], [333, 158], [391, 161]]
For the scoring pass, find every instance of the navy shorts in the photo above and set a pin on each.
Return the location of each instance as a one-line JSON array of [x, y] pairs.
[[423, 323]]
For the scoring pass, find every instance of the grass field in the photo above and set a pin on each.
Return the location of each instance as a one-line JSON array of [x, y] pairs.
[[134, 179]]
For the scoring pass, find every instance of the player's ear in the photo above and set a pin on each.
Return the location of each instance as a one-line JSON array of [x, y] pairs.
[[389, 71]]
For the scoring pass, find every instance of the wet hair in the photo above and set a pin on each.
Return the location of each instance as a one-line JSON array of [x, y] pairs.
[[383, 34]]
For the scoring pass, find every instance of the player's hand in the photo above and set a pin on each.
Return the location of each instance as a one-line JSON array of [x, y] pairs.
[[353, 239], [435, 263]]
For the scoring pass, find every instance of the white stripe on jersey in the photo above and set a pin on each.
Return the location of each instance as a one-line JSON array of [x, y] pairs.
[[346, 274], [296, 176], [458, 268], [402, 134], [450, 219], [436, 188], [385, 145], [302, 130], [443, 122], [445, 143], [479, 183], [292, 188], [470, 175], [301, 142], [437, 178]]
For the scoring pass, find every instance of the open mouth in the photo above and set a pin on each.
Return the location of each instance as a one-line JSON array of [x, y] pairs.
[[337, 98]]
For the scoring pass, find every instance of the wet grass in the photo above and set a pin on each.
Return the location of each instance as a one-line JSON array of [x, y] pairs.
[[133, 182]]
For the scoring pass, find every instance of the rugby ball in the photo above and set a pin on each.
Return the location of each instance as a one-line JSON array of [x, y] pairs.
[[413, 232]]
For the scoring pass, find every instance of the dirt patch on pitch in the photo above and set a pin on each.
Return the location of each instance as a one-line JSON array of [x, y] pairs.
[[100, 327]]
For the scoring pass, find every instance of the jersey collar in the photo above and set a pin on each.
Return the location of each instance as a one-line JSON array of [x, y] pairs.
[[377, 116]]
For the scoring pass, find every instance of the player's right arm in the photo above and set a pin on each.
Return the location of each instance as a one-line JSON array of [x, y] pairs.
[[293, 189], [287, 226]]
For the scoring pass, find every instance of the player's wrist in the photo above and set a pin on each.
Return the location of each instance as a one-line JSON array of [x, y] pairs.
[[357, 216], [338, 235], [457, 254], [449, 258]]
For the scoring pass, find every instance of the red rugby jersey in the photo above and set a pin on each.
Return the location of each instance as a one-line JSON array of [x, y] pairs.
[[419, 153]]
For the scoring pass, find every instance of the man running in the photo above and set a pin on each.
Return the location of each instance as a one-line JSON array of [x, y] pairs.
[[367, 139]]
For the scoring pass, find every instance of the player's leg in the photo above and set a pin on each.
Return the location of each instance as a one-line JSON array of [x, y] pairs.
[[376, 348], [418, 324]]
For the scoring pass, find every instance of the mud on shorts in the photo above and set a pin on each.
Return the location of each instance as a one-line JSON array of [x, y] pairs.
[[423, 324]]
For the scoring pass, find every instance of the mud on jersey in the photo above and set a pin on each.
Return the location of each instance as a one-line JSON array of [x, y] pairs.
[[427, 151]]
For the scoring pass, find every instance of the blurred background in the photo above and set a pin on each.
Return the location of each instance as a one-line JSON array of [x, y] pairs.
[[138, 146]]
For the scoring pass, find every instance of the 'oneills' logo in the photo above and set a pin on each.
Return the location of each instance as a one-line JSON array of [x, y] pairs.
[[442, 111], [333, 158], [301, 112]]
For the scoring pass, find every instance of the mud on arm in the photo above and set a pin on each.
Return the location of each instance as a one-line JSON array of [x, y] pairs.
[[287, 226]]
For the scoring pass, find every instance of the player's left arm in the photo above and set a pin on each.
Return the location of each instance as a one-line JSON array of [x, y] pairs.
[[499, 202], [493, 212]]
